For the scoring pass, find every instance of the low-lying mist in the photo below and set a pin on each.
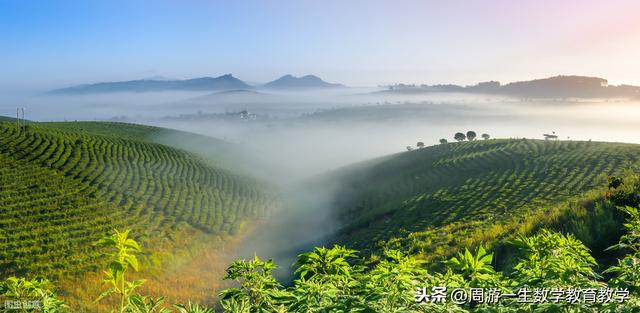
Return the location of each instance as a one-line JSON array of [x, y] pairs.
[[290, 139], [297, 150]]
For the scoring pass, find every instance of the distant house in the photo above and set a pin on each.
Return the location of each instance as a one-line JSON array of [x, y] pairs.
[[548, 136]]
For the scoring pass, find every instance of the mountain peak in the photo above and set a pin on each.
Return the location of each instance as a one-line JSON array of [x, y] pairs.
[[305, 82]]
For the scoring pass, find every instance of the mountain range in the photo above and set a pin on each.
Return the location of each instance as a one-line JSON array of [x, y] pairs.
[[553, 87], [221, 83]]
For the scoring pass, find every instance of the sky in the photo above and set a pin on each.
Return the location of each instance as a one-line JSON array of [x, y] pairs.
[[48, 44]]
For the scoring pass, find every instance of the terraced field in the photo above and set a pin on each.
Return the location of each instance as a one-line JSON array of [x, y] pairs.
[[65, 185], [462, 185]]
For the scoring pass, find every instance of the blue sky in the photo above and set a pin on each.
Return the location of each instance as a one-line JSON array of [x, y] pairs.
[[58, 43]]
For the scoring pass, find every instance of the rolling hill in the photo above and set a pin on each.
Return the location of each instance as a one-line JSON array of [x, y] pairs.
[[431, 201], [65, 185]]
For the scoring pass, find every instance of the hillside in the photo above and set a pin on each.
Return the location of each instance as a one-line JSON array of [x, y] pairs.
[[447, 192], [65, 185]]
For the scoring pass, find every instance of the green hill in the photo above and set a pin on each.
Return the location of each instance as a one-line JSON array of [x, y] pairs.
[[433, 200], [65, 185]]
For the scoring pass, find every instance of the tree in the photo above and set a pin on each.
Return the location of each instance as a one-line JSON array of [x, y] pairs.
[[409, 148], [443, 141], [471, 135], [485, 136], [459, 137], [420, 144]]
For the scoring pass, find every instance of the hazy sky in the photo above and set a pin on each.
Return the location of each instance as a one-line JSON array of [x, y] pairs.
[[57, 43]]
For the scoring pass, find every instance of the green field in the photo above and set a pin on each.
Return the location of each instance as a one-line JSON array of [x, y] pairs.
[[65, 185], [448, 191]]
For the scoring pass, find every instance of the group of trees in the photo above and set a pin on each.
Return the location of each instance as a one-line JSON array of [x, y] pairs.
[[470, 135], [339, 280]]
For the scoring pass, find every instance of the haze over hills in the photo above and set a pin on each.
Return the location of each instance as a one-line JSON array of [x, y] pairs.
[[572, 86], [304, 82], [553, 87], [225, 82]]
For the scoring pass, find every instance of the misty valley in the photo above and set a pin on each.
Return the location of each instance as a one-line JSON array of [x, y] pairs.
[[213, 194]]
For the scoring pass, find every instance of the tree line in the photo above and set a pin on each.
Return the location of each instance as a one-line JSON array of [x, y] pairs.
[[459, 137]]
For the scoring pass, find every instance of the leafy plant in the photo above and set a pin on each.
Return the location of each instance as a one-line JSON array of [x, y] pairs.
[[257, 287], [476, 269], [627, 270], [122, 258], [196, 308], [143, 304], [39, 292], [554, 260]]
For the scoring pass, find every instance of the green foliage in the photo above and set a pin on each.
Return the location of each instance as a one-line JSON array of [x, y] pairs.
[[143, 304], [440, 199], [627, 271], [476, 269], [121, 259], [257, 286], [624, 191], [38, 292], [66, 185], [471, 135], [195, 308], [386, 285], [325, 262], [459, 137], [614, 182], [337, 280], [554, 259], [548, 260]]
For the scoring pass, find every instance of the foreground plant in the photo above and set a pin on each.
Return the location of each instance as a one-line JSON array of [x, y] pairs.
[[35, 295], [122, 258], [195, 308], [257, 286], [143, 304]]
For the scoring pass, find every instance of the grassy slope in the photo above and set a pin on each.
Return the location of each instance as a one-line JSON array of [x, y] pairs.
[[64, 185], [431, 199]]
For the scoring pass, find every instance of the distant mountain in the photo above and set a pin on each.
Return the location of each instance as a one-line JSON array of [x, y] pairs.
[[224, 82], [158, 77], [552, 87], [304, 82], [568, 87], [238, 92]]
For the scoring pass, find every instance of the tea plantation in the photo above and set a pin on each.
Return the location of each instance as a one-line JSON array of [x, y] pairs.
[[431, 198], [65, 185]]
